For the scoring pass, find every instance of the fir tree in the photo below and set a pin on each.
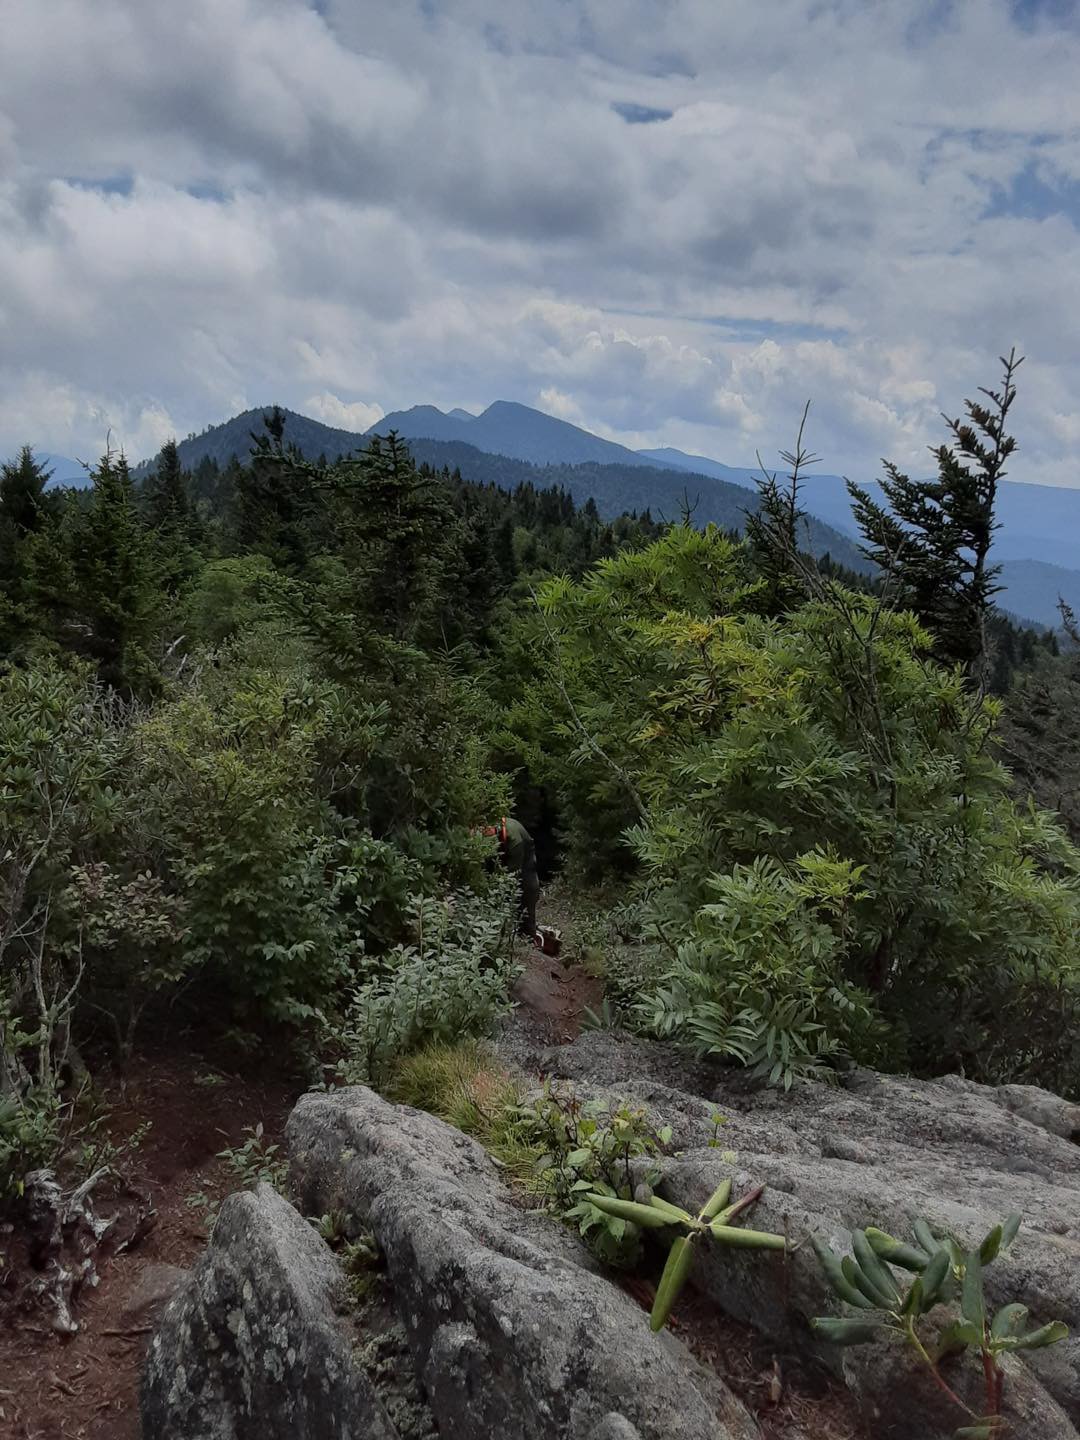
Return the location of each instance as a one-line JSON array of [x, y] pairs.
[[932, 539], [24, 504], [118, 597], [273, 498], [25, 509], [168, 504]]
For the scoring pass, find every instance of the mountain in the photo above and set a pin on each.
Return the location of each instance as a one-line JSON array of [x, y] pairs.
[[232, 440], [701, 465], [1038, 544], [1030, 588], [516, 431], [65, 471], [619, 488], [423, 422]]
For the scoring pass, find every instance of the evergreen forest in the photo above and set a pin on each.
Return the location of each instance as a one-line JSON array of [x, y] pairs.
[[254, 718]]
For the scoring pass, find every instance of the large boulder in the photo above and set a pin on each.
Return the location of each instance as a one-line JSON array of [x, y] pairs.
[[256, 1344], [875, 1151], [514, 1333]]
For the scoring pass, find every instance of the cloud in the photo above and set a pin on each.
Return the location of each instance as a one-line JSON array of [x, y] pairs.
[[671, 224], [343, 415]]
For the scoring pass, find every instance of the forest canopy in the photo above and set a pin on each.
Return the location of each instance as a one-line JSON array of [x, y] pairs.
[[250, 719]]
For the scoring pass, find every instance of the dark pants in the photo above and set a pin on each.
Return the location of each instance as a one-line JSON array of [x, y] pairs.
[[528, 893]]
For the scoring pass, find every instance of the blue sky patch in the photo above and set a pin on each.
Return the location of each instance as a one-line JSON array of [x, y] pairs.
[[635, 114], [106, 184], [1036, 193]]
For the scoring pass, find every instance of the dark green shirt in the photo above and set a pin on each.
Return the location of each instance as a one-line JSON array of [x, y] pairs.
[[519, 851]]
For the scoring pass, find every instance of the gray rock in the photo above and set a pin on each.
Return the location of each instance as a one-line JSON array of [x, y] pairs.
[[881, 1153], [614, 1427], [612, 1057], [155, 1285], [1048, 1111], [254, 1344], [515, 1334]]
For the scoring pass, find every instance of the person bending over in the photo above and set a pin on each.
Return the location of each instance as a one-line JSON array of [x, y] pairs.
[[518, 855]]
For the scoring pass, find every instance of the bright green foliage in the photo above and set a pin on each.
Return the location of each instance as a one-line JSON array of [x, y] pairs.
[[451, 979], [232, 597], [945, 1273], [761, 976], [713, 1222], [823, 837], [583, 1151], [240, 769]]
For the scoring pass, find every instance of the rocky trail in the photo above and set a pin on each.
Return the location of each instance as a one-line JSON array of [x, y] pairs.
[[85, 1387], [495, 1319]]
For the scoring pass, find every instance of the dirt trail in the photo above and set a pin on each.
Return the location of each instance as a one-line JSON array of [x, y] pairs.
[[553, 991], [86, 1387], [555, 996]]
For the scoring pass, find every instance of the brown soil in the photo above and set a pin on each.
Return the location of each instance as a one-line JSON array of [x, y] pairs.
[[85, 1387], [789, 1399], [555, 995]]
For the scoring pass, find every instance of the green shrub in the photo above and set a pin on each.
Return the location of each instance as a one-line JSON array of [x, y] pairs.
[[66, 788], [255, 1162], [240, 768], [760, 978], [451, 980], [583, 1148], [819, 783]]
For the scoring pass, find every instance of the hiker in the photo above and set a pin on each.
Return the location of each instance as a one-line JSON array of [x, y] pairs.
[[518, 854]]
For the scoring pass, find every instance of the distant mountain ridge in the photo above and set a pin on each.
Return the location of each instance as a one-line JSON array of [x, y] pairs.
[[635, 484], [65, 471], [516, 431], [1037, 546]]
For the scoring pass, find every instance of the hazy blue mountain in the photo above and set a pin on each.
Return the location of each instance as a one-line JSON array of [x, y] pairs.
[[1031, 589], [65, 471], [517, 431], [423, 422], [702, 465]]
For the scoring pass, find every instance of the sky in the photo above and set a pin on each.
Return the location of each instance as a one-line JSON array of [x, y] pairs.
[[671, 221]]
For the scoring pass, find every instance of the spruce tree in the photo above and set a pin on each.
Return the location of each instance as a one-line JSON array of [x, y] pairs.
[[272, 498], [932, 538], [24, 510], [168, 504], [24, 504], [118, 596]]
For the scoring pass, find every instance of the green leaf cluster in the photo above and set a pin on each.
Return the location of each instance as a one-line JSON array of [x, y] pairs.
[[945, 1273]]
